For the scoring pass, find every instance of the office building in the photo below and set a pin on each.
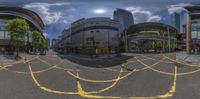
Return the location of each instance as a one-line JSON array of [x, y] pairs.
[[193, 29], [175, 20], [124, 17]]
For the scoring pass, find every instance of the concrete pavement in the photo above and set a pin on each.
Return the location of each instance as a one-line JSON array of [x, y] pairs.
[[193, 59], [138, 76]]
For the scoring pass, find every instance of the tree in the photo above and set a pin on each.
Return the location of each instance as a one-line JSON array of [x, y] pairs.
[[17, 29], [36, 39], [43, 43]]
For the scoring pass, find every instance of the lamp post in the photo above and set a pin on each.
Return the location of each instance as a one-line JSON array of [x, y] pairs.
[[93, 44], [108, 43], [169, 45], [125, 41]]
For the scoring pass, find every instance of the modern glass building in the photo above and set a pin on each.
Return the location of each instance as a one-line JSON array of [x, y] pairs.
[[175, 20], [7, 13], [193, 29], [150, 37], [124, 17]]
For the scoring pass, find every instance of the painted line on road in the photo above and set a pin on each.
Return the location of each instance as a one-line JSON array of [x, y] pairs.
[[168, 94], [172, 90], [12, 64], [111, 80], [110, 69], [154, 59], [35, 72], [167, 73], [106, 88], [82, 93], [99, 81], [45, 88], [183, 63]]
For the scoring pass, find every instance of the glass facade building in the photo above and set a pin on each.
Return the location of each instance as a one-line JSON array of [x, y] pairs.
[[175, 20], [8, 13], [124, 17], [3, 33], [193, 29], [150, 37]]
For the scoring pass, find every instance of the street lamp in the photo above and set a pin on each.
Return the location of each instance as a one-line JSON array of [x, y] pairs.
[[169, 40], [108, 43]]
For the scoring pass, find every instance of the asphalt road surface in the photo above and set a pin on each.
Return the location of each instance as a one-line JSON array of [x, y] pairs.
[[129, 76]]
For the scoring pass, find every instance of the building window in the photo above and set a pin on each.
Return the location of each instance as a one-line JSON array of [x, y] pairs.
[[198, 35], [6, 35], [194, 34], [90, 39], [97, 42], [1, 34]]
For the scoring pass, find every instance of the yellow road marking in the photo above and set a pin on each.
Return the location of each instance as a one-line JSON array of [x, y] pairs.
[[99, 81], [168, 94], [171, 92], [44, 88], [35, 72], [12, 64], [111, 80], [110, 69], [183, 63], [107, 88], [44, 61], [167, 73], [154, 59], [85, 94]]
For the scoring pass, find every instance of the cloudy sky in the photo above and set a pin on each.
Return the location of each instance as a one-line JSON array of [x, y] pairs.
[[58, 14]]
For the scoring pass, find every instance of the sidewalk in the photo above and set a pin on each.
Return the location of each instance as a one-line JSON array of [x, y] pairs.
[[192, 59], [9, 59]]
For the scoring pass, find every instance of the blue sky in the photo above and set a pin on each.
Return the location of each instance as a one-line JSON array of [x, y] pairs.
[[58, 14]]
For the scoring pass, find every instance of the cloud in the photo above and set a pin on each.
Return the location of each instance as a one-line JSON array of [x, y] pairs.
[[45, 35], [155, 18], [44, 10], [178, 7], [142, 15], [68, 19]]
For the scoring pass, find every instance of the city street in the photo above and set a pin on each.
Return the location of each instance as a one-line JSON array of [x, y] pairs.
[[133, 76]]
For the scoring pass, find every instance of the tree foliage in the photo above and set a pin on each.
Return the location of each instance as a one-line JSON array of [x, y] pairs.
[[38, 41], [17, 29], [36, 38]]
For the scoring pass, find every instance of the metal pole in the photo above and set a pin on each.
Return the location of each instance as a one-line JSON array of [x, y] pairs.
[[169, 40], [175, 40], [126, 41], [108, 43]]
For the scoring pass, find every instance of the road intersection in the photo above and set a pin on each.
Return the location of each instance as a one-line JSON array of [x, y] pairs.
[[140, 76]]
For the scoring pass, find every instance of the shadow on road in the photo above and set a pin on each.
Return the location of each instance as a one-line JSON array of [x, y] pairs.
[[97, 62]]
